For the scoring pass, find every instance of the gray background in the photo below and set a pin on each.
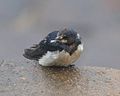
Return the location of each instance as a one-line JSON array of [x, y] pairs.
[[25, 22]]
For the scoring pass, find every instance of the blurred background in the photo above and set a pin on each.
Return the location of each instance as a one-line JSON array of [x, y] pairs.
[[25, 22]]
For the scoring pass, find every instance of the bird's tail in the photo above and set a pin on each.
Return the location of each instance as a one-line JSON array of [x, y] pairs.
[[29, 53]]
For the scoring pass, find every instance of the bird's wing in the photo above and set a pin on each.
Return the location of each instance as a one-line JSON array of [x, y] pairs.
[[51, 36], [36, 51]]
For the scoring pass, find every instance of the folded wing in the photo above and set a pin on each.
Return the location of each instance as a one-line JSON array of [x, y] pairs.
[[36, 51]]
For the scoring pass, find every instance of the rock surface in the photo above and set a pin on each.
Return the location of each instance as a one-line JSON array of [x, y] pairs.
[[30, 79]]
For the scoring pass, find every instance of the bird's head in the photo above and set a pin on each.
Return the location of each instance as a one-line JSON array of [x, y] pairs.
[[68, 37]]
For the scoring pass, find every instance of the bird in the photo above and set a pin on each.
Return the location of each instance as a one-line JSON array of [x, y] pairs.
[[58, 48]]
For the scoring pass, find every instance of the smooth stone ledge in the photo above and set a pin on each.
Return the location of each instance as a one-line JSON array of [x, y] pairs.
[[30, 79]]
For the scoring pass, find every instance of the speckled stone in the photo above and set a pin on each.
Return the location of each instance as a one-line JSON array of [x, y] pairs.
[[30, 79]]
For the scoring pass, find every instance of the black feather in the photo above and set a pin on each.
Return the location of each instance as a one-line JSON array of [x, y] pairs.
[[37, 51]]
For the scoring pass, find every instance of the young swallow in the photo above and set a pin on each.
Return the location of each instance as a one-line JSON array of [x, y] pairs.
[[59, 48]]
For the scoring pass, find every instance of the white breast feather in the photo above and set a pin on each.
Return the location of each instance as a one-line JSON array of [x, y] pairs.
[[60, 58], [48, 58]]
